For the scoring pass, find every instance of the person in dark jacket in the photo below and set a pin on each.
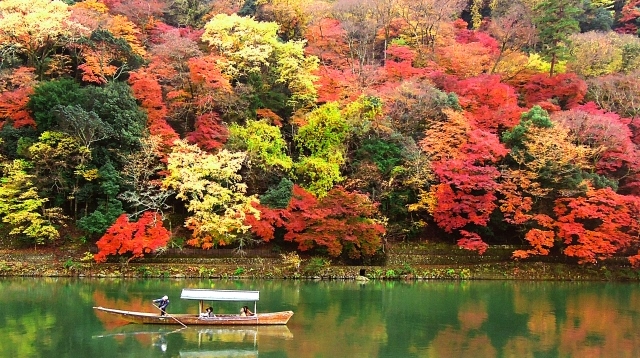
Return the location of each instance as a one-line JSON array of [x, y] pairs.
[[162, 304]]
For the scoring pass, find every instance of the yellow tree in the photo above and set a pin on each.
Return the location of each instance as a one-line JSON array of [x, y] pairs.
[[214, 192], [22, 208], [34, 28], [551, 155], [253, 51], [292, 15], [597, 53]]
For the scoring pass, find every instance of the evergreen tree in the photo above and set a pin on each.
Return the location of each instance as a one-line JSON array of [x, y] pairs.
[[557, 20]]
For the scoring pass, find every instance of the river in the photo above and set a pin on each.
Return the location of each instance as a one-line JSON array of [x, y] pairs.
[[54, 317]]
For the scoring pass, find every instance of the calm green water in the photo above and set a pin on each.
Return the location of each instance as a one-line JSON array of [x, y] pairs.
[[45, 317]]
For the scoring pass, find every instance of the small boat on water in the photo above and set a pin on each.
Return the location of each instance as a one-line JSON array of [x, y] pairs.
[[202, 318]]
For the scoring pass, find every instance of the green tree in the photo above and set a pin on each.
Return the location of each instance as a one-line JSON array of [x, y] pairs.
[[48, 95], [279, 196], [598, 15], [15, 140], [557, 21], [263, 143], [102, 218], [322, 144], [83, 125], [117, 108], [87, 129], [187, 13], [109, 179]]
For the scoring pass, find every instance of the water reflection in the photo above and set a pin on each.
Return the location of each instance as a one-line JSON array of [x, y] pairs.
[[54, 317], [208, 342]]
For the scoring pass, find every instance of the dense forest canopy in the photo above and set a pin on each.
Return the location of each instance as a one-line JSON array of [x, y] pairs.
[[328, 126]]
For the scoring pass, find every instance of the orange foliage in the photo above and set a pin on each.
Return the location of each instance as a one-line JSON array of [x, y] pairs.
[[270, 116], [122, 28], [540, 240], [13, 106], [471, 54], [15, 89], [592, 227], [598, 225], [336, 85], [465, 60], [515, 205]]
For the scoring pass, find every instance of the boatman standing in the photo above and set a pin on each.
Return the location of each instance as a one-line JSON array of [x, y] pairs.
[[162, 304]]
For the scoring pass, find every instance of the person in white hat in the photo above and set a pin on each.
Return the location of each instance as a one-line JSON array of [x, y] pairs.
[[162, 304]]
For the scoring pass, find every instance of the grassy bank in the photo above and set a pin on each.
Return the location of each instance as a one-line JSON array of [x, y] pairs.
[[406, 262]]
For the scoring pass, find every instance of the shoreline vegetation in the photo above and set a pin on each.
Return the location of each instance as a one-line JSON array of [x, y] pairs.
[[409, 262], [330, 130]]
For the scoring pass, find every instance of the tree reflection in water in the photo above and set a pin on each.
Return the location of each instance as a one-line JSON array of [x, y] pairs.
[[41, 317]]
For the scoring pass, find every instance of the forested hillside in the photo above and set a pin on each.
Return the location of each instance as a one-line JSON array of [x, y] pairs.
[[332, 126]]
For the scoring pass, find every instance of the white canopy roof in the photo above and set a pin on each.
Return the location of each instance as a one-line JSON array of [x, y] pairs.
[[219, 295]]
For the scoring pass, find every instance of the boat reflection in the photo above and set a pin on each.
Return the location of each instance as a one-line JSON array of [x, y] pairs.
[[228, 341]]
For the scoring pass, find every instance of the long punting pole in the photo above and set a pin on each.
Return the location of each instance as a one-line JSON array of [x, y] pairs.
[[165, 312]]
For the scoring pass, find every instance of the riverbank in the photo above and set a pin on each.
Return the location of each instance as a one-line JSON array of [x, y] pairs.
[[402, 263]]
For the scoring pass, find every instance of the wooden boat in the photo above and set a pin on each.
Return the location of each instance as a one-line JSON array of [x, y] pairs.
[[202, 295]]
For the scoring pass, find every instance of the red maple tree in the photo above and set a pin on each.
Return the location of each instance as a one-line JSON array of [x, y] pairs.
[[148, 92], [464, 161], [399, 65], [629, 15], [13, 106], [136, 238], [492, 105], [340, 222], [209, 132], [560, 92]]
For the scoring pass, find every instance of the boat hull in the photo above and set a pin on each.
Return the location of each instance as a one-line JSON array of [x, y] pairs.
[[272, 318]]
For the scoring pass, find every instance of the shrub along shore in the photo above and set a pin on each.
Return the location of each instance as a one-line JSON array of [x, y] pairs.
[[401, 263]]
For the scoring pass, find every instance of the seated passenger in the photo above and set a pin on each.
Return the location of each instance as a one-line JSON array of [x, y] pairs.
[[207, 313], [244, 311]]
